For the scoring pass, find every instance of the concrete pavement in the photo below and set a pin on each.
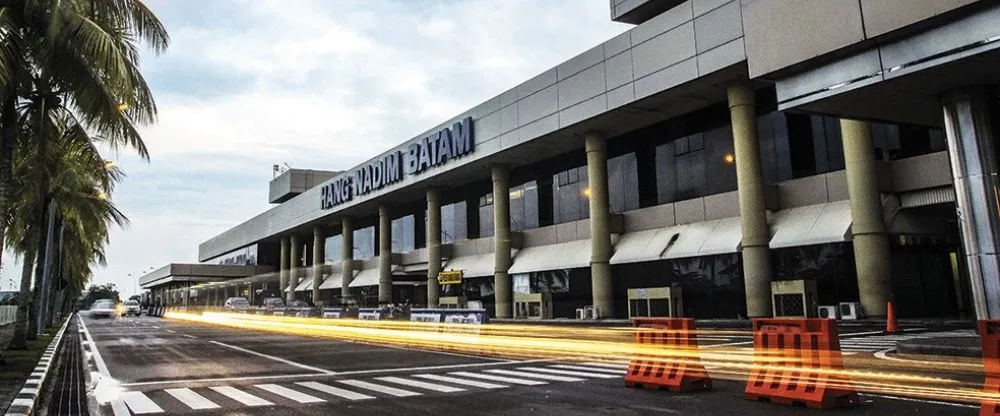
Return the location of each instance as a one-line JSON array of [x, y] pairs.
[[155, 366]]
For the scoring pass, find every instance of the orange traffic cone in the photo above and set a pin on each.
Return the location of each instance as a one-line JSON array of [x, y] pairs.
[[890, 319]]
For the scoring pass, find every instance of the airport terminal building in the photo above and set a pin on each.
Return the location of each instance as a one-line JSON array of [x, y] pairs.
[[723, 154]]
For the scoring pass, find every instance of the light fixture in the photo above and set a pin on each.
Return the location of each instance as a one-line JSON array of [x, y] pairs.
[[586, 192], [729, 158]]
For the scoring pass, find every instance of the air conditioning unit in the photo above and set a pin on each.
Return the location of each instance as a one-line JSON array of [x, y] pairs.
[[533, 305], [665, 301], [827, 312], [586, 312], [794, 298], [850, 310]]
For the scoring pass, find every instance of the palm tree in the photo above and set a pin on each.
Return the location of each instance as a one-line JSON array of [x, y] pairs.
[[86, 52]]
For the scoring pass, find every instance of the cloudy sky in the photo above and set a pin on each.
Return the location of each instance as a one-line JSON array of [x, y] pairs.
[[320, 84]]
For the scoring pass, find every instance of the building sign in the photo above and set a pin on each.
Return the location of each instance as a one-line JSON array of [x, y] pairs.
[[450, 278], [433, 150]]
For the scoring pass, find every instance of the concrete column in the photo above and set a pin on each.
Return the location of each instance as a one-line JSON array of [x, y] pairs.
[[871, 244], [384, 255], [972, 124], [285, 260], [319, 249], [294, 266], [501, 242], [600, 231], [433, 247], [753, 215], [346, 255]]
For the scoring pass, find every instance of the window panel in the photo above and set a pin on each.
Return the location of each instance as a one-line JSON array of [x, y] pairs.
[[364, 243], [486, 221], [720, 175], [333, 249]]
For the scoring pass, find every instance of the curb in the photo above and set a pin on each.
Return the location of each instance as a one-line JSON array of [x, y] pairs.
[[937, 347], [26, 399]]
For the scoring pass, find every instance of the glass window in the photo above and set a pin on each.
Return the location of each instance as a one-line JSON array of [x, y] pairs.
[[364, 243], [486, 215], [623, 183], [524, 206], [454, 226], [720, 174], [333, 250], [403, 234], [569, 195]]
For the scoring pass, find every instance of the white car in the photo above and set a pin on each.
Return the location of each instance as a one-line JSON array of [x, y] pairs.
[[132, 308], [237, 303], [105, 308]]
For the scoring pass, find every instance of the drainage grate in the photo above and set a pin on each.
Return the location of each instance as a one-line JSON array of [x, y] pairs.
[[69, 394]]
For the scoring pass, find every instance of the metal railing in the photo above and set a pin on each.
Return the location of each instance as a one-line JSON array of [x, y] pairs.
[[8, 314]]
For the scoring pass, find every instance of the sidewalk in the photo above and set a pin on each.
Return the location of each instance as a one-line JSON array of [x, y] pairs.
[[844, 325], [951, 346]]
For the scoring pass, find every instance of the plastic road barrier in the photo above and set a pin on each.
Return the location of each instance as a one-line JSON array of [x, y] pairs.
[[676, 365]]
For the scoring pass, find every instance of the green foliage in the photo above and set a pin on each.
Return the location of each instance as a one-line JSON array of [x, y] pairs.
[[95, 292]]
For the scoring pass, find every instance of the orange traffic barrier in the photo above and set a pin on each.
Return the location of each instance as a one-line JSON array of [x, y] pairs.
[[676, 366], [989, 336], [890, 319], [796, 362]]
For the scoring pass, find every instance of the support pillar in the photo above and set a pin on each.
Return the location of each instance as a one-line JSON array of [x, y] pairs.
[[319, 249], [285, 260], [384, 255], [294, 267], [972, 125], [433, 247], [753, 216], [600, 231], [346, 256], [501, 242], [871, 244]]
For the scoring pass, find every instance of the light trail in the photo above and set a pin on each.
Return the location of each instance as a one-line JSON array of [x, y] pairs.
[[614, 345]]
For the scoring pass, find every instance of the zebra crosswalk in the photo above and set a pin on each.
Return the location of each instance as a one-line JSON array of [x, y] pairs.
[[298, 393]]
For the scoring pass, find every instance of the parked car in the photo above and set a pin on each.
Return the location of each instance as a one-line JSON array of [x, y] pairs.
[[104, 308], [132, 308], [270, 303], [237, 303]]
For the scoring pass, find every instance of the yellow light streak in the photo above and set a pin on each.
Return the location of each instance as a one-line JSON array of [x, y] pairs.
[[615, 345]]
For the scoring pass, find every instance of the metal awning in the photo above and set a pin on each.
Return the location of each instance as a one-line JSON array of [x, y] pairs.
[[679, 241], [332, 281], [645, 245], [476, 265], [813, 224], [568, 255]]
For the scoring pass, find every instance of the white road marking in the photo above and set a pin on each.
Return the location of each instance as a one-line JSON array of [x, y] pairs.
[[884, 355], [511, 380], [421, 384], [567, 372], [622, 366], [392, 391], [535, 375], [461, 381], [241, 396], [189, 336], [910, 399], [139, 403], [289, 393], [170, 331], [579, 368], [105, 382], [193, 400], [336, 391], [278, 359]]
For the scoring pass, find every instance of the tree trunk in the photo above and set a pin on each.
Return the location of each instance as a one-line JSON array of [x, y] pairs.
[[42, 243], [8, 138], [17, 342]]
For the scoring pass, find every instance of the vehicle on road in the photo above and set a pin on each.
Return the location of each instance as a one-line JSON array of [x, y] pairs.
[[104, 308], [132, 308], [270, 303], [237, 303]]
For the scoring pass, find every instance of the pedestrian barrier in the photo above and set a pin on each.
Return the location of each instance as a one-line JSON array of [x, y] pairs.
[[989, 337], [677, 366], [797, 362]]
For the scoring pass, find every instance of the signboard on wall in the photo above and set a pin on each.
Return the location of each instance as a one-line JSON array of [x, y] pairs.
[[453, 277], [433, 150]]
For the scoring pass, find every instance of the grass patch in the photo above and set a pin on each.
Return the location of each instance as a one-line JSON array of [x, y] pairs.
[[20, 363]]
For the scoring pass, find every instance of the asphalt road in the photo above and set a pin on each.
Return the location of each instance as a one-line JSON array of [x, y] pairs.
[[155, 366]]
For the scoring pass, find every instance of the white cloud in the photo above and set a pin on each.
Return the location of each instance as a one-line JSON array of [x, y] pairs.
[[318, 84]]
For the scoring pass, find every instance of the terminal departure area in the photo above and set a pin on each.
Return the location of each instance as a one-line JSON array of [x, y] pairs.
[[500, 207]]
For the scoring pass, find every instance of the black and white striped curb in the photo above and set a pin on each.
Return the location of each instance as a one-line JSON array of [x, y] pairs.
[[26, 399]]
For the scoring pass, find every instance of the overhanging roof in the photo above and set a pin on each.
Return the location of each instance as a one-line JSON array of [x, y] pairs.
[[199, 273]]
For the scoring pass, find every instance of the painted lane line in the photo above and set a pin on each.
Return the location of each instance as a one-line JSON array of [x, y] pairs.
[[193, 400], [104, 382], [568, 373], [278, 359], [421, 384], [289, 393], [511, 380], [170, 331], [241, 396], [336, 391], [601, 370], [460, 381], [621, 366], [535, 375], [392, 391], [189, 336], [925, 401], [139, 403]]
